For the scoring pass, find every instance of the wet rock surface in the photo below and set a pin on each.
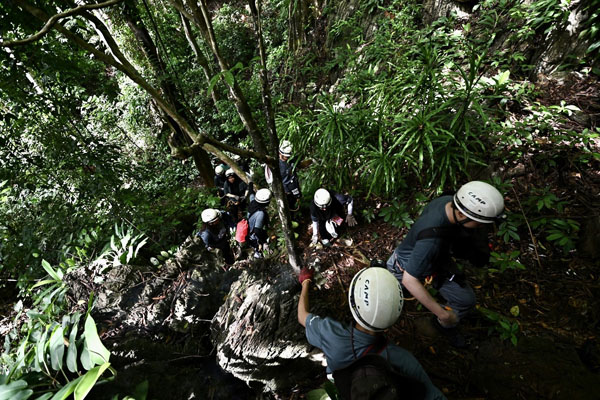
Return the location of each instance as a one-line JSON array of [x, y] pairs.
[[257, 335], [155, 321]]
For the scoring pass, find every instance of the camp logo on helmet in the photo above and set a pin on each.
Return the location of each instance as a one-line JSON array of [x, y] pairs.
[[366, 293], [475, 197]]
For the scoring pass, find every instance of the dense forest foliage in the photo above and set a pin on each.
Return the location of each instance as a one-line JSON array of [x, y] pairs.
[[114, 114]]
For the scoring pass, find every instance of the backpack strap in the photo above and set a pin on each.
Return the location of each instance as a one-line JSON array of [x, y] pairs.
[[443, 232], [375, 348]]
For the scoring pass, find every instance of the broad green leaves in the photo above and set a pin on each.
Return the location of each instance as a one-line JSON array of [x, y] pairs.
[[98, 353], [46, 349]]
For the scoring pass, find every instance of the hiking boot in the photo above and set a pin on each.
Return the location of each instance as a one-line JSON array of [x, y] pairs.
[[453, 335], [258, 254], [326, 242]]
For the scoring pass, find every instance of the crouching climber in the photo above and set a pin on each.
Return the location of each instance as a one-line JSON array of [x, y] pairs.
[[375, 300], [216, 228], [327, 212], [448, 224], [258, 220], [236, 192]]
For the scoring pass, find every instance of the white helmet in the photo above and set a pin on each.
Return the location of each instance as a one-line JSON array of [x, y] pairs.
[[229, 172], [263, 196], [219, 170], [210, 215], [322, 198], [375, 298], [479, 201], [285, 148]]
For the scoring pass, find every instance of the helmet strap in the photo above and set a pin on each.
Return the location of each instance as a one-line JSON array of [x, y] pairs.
[[462, 222]]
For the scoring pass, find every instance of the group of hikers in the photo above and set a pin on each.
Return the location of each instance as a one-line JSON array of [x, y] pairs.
[[328, 210], [451, 226]]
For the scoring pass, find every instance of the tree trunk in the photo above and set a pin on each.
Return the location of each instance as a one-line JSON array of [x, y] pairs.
[[199, 56], [277, 186]]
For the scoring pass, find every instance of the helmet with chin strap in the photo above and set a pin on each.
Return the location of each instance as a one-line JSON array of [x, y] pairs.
[[263, 196], [375, 298], [210, 215], [479, 201], [286, 148], [219, 170], [322, 198], [229, 172]]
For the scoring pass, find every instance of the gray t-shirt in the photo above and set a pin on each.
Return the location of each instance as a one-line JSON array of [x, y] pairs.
[[334, 339], [420, 258]]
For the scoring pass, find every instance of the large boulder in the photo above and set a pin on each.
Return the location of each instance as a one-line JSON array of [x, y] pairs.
[[180, 295], [257, 334], [155, 321]]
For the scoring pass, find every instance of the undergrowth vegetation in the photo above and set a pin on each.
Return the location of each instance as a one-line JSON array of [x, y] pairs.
[[399, 113]]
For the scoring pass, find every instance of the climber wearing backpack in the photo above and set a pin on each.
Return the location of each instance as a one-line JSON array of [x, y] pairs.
[[258, 220], [216, 228], [236, 192], [327, 212], [450, 226], [363, 364], [287, 169]]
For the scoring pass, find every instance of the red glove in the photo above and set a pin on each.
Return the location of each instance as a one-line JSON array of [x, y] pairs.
[[305, 274]]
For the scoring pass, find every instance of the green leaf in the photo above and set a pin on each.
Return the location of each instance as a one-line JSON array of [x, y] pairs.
[[85, 357], [212, 83], [57, 348], [72, 349], [98, 353], [317, 394], [40, 351], [66, 390], [503, 78], [141, 391], [228, 76], [42, 283], [16, 390], [50, 271], [89, 380], [45, 396], [113, 246], [554, 236]]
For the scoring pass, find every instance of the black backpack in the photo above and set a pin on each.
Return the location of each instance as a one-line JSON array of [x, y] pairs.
[[373, 377], [467, 244]]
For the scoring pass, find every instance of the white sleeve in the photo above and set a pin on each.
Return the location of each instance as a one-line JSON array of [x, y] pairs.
[[350, 206], [315, 228]]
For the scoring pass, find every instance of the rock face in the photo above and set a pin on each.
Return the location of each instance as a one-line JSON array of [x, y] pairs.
[[184, 292], [155, 321], [547, 52], [257, 334]]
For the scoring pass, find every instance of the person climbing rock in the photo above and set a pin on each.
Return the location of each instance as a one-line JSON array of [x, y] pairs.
[[328, 212], [216, 228], [219, 179], [375, 300], [236, 192], [258, 220], [287, 168], [447, 224]]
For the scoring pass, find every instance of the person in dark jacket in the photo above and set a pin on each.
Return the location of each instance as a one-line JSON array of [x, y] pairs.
[[426, 252], [236, 192], [215, 232], [287, 168], [328, 212], [258, 220]]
